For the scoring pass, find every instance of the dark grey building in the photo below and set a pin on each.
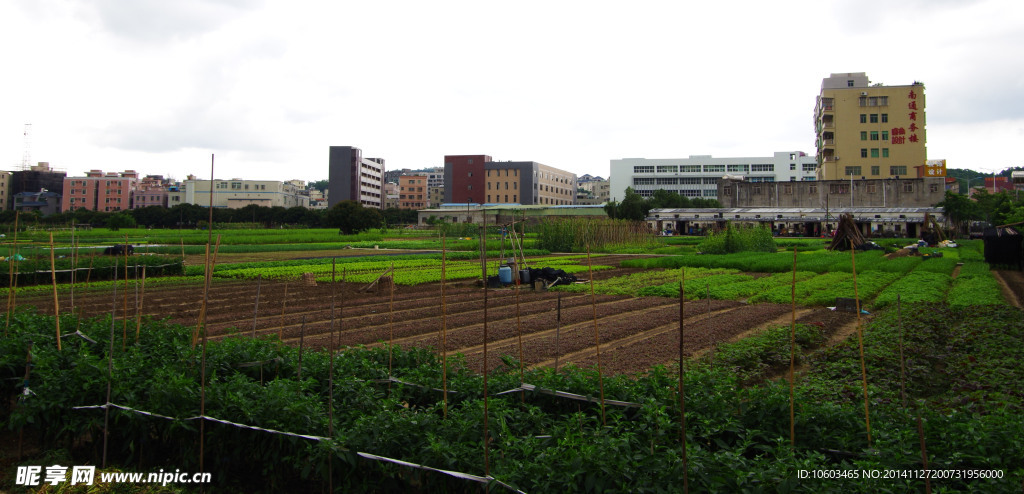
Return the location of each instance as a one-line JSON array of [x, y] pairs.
[[354, 178], [875, 193]]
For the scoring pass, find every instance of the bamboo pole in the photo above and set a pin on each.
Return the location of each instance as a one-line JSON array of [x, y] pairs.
[[302, 341], [256, 305], [284, 306], [124, 311], [597, 337], [682, 389], [56, 305], [206, 291], [444, 321], [330, 380], [10, 271], [558, 329], [483, 250], [140, 300], [519, 333], [903, 366], [792, 357], [110, 366], [88, 274], [860, 341]]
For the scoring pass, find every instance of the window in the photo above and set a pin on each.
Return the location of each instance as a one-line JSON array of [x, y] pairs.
[[874, 152], [813, 189], [643, 181], [874, 118], [897, 170], [809, 167], [787, 189], [849, 83], [690, 169], [728, 191], [756, 190], [863, 118], [839, 188], [488, 183], [515, 198], [885, 135], [714, 168], [738, 168], [863, 135], [885, 152], [792, 166], [933, 187], [762, 168], [871, 188], [874, 135], [875, 170], [885, 118], [667, 181], [668, 169], [643, 169], [852, 170], [863, 152], [908, 186]]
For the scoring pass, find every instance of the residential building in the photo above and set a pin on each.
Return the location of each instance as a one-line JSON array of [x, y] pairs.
[[475, 179], [99, 191], [354, 178], [435, 195], [869, 131], [238, 193], [593, 192], [317, 199], [412, 192], [5, 190], [824, 194], [36, 178], [44, 201], [152, 191], [390, 195], [698, 176]]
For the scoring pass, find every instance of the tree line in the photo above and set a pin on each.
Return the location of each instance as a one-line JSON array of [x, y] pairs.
[[348, 216]]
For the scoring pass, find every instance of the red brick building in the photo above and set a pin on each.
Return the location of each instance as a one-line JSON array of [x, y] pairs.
[[100, 192]]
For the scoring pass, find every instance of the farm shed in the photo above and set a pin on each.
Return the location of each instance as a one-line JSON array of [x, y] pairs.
[[1003, 246], [503, 213], [803, 222]]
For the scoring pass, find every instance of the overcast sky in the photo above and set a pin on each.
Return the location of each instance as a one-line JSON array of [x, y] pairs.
[[266, 85]]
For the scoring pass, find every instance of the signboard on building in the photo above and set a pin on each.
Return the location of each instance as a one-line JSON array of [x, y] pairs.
[[934, 168]]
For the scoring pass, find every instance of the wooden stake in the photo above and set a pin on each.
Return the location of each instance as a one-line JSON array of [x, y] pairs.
[[302, 338], [330, 381], [792, 357], [13, 278], [682, 389], [597, 336], [903, 366], [558, 329], [860, 340], [206, 292], [444, 321], [483, 263], [284, 305], [124, 311], [28, 370], [138, 311], [56, 305], [256, 305], [110, 366]]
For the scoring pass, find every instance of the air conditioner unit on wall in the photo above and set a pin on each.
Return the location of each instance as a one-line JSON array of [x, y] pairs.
[[864, 93]]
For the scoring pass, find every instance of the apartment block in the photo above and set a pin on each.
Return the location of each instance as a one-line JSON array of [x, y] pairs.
[[354, 178], [99, 191], [506, 182], [869, 131], [413, 192]]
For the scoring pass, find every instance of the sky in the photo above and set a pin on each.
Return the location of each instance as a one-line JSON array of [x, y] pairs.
[[267, 86]]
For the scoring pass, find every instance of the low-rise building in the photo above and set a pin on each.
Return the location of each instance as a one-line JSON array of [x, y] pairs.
[[890, 192], [413, 192], [238, 193], [44, 201], [804, 222]]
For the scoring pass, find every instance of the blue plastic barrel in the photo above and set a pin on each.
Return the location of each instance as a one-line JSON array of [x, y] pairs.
[[505, 274]]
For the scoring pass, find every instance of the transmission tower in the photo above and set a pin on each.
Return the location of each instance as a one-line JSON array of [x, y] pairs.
[[26, 156]]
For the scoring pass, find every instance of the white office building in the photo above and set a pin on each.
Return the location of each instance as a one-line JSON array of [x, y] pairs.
[[698, 176]]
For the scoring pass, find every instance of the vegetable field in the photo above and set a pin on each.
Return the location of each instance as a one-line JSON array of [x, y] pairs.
[[457, 388]]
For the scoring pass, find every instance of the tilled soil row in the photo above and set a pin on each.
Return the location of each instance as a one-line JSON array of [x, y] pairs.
[[580, 337], [662, 347]]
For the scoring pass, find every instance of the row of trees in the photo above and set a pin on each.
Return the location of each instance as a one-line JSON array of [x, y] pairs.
[[635, 207], [1003, 208], [345, 215]]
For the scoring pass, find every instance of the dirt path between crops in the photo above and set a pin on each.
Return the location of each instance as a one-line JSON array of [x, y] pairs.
[[1012, 284]]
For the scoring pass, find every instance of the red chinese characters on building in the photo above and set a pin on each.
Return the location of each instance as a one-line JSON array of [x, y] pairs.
[[899, 135], [912, 105]]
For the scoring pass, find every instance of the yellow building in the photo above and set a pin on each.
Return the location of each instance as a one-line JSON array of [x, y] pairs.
[[869, 131]]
